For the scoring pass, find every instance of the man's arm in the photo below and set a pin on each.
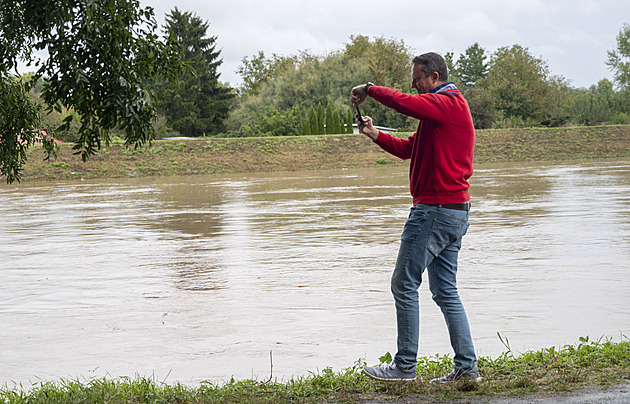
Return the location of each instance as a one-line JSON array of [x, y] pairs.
[[401, 148], [430, 107], [398, 147]]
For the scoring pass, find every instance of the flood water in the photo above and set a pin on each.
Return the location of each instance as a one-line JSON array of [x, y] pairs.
[[205, 278]]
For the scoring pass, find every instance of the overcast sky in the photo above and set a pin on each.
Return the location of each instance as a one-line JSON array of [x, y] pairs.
[[572, 36]]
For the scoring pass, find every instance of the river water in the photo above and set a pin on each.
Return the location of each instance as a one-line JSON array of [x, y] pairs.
[[278, 275]]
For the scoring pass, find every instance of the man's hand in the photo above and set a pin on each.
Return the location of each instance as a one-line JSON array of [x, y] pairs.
[[358, 95], [368, 129]]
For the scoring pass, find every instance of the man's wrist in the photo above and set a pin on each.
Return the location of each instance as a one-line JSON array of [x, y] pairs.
[[367, 87], [374, 135]]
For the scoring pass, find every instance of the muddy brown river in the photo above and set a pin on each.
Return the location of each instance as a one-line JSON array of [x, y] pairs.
[[212, 277]]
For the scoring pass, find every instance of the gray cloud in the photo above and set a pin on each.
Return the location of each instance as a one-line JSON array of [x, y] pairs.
[[572, 36]]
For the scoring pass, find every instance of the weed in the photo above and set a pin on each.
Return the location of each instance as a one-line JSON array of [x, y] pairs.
[[180, 146], [387, 358], [550, 369]]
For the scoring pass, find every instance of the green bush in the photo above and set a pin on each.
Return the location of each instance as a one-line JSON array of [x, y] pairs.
[[273, 122], [590, 109], [621, 118]]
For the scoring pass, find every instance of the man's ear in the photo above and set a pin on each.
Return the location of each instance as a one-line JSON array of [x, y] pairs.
[[435, 76]]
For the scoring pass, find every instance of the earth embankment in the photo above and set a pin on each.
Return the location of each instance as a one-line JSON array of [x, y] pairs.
[[239, 155]]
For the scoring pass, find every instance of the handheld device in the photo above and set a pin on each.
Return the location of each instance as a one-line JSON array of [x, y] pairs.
[[357, 114]]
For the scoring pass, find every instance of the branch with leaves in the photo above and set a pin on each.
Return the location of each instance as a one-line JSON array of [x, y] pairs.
[[102, 54]]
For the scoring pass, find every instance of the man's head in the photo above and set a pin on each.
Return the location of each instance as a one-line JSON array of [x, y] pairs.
[[429, 71]]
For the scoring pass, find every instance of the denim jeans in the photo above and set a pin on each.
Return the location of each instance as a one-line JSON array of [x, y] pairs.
[[431, 240]]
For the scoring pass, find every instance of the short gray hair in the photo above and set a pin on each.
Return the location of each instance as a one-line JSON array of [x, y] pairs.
[[432, 62]]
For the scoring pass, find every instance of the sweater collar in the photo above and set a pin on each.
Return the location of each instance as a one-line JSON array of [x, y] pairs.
[[449, 85]]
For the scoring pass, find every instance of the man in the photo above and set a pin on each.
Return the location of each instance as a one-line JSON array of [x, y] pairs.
[[441, 153]]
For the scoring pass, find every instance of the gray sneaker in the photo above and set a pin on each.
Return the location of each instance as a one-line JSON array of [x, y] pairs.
[[460, 374], [390, 373]]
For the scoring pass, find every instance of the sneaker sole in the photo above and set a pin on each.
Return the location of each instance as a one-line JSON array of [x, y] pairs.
[[382, 379], [477, 379]]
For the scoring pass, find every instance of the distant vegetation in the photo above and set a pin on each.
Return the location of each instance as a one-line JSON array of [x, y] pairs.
[[296, 153], [306, 94], [109, 74]]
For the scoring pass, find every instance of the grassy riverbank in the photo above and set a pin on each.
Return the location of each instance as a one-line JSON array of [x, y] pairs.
[[537, 374], [239, 155]]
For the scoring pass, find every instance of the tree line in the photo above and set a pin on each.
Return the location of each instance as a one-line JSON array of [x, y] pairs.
[[507, 88], [110, 73]]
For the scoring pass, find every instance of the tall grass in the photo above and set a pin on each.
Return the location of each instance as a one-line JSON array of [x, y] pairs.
[[549, 370]]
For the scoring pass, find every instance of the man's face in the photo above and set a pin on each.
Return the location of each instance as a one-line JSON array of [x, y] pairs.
[[421, 82]]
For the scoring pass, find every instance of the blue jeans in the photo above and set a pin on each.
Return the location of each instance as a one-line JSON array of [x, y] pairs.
[[431, 239]]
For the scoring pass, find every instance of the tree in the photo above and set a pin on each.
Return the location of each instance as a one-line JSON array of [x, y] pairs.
[[306, 127], [259, 69], [451, 67], [596, 105], [312, 120], [320, 120], [101, 55], [306, 79], [520, 85], [199, 104], [336, 122], [271, 122], [349, 121], [254, 72], [471, 66], [389, 63], [17, 112], [482, 105], [330, 123], [619, 59]]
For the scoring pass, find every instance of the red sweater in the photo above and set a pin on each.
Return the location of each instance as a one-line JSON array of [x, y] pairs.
[[441, 149]]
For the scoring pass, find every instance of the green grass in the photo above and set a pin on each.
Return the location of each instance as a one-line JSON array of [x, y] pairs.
[[292, 153], [547, 371]]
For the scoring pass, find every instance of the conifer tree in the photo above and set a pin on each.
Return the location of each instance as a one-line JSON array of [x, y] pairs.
[[312, 120], [330, 124], [349, 121], [451, 66], [200, 103], [320, 119], [472, 67], [336, 122], [306, 127]]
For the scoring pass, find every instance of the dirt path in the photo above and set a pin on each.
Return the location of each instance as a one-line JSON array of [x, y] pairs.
[[617, 394]]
